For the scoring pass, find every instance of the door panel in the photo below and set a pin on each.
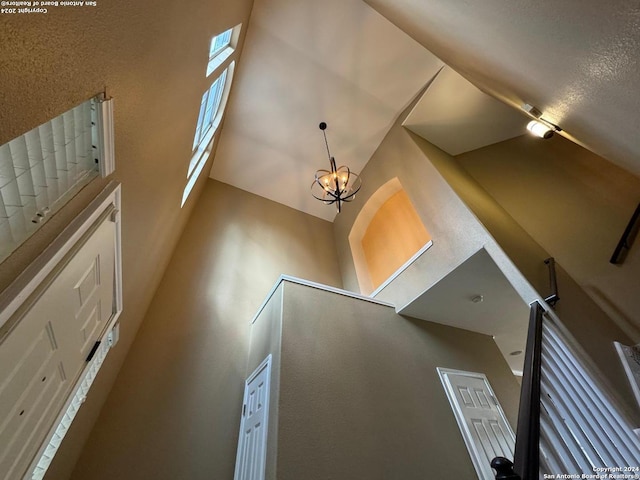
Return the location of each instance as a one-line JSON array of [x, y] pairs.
[[46, 351], [252, 446], [482, 423], [86, 284]]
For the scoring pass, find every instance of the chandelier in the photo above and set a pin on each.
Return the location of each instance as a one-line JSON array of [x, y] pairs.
[[337, 185]]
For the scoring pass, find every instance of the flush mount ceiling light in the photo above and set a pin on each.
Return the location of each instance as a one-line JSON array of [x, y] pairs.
[[540, 127], [337, 185]]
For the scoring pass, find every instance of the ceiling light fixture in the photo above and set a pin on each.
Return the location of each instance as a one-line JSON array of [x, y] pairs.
[[540, 127], [337, 185]]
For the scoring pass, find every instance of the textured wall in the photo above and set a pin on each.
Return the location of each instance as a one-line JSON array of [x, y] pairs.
[[266, 339], [456, 232], [572, 59], [360, 396], [575, 205], [585, 319], [393, 236], [174, 411], [460, 215], [151, 56]]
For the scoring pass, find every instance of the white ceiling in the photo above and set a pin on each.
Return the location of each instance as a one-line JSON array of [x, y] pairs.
[[576, 60], [456, 116], [342, 62], [502, 313], [304, 62]]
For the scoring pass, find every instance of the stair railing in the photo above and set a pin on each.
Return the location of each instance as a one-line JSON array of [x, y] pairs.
[[526, 464]]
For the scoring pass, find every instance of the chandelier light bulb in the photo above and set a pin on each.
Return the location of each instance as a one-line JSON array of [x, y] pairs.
[[337, 185]]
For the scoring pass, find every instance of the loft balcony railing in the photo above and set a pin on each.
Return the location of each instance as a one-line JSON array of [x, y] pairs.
[[568, 424]]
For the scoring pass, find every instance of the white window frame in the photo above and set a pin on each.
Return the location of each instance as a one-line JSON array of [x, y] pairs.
[[209, 107], [218, 56], [45, 167], [227, 41], [212, 106], [206, 133]]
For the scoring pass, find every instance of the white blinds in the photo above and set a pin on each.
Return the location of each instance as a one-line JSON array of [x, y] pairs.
[[39, 169]]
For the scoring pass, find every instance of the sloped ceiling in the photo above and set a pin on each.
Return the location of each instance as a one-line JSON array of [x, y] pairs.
[[576, 60], [304, 62], [456, 116]]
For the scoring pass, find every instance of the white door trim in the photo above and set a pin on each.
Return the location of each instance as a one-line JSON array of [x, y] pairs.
[[32, 278], [265, 365], [474, 450]]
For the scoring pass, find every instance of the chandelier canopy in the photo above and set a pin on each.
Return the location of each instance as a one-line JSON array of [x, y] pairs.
[[337, 185]]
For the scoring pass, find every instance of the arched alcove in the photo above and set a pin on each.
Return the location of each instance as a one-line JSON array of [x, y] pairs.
[[386, 237]]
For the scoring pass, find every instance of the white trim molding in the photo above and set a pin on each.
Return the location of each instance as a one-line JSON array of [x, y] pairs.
[[106, 136], [108, 202], [22, 294], [319, 286], [407, 264]]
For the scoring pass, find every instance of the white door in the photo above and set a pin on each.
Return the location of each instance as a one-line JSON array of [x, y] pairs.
[[46, 350], [85, 290], [252, 444], [482, 423]]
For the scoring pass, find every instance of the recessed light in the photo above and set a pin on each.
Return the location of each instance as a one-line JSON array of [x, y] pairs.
[[477, 299], [516, 353]]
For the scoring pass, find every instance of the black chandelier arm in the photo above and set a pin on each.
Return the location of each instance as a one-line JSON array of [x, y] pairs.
[[324, 174], [328, 202], [349, 197], [329, 192]]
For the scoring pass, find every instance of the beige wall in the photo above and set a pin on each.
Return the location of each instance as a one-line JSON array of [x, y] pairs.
[[461, 217], [151, 56], [266, 339], [593, 329], [174, 411], [393, 236], [360, 396], [575, 205], [456, 233]]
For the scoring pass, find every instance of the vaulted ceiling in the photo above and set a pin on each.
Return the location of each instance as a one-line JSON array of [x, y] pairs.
[[357, 64], [576, 60], [304, 62]]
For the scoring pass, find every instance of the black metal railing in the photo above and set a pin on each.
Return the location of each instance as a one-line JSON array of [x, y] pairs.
[[526, 463], [627, 237], [553, 297]]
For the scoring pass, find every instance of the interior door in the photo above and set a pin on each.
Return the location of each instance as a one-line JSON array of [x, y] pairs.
[[480, 417], [252, 444], [85, 288], [45, 352]]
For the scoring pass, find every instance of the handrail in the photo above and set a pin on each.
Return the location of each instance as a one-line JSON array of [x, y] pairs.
[[553, 283], [526, 464], [626, 237]]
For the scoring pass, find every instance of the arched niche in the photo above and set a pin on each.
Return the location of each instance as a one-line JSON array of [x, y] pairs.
[[386, 237]]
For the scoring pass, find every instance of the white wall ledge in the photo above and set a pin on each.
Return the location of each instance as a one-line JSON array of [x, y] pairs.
[[319, 286]]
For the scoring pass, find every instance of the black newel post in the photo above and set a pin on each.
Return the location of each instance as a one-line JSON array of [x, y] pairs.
[[504, 469]]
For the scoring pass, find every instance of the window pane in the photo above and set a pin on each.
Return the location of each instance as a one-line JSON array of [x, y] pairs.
[[196, 139], [213, 103], [219, 42]]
